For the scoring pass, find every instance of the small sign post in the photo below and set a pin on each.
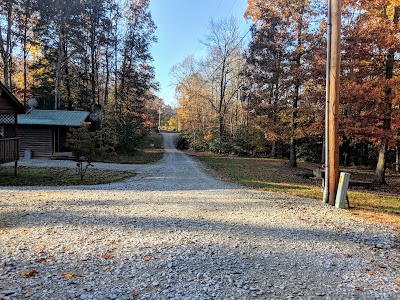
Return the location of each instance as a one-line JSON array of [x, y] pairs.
[[342, 190]]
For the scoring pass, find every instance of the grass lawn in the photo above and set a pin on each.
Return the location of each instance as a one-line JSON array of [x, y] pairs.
[[58, 176], [381, 205]]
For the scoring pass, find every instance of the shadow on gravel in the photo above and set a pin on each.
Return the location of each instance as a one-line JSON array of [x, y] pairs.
[[73, 218]]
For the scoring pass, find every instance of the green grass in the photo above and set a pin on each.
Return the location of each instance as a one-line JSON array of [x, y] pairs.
[[58, 176], [382, 205]]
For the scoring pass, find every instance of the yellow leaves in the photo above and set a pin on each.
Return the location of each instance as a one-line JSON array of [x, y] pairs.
[[69, 276], [29, 273]]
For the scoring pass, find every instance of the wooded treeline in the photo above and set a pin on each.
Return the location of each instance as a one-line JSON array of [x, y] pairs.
[[91, 55], [268, 98]]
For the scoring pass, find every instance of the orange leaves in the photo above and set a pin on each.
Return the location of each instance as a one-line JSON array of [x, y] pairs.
[[148, 258], [69, 276]]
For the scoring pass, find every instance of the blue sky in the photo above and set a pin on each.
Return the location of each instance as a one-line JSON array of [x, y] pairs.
[[181, 24]]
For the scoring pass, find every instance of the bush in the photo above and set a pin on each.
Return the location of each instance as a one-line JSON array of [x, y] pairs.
[[86, 146], [130, 136], [182, 143]]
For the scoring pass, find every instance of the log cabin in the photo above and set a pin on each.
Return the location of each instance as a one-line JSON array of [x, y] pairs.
[[44, 132], [10, 107]]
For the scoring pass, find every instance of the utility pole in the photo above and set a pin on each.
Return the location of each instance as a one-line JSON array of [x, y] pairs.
[[159, 118], [325, 198], [334, 85]]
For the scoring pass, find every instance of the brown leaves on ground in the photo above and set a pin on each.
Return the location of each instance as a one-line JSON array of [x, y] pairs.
[[107, 255], [70, 275], [29, 273], [148, 258], [134, 293], [43, 260]]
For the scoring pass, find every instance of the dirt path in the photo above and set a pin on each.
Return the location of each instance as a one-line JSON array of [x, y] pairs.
[[174, 232]]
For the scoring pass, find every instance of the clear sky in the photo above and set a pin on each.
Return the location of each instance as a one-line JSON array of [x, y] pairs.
[[181, 24]]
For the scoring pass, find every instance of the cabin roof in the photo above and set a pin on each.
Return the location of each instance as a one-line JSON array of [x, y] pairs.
[[6, 94], [53, 118]]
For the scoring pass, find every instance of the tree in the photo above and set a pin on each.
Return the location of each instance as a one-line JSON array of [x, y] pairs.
[[370, 68], [223, 68], [7, 38]]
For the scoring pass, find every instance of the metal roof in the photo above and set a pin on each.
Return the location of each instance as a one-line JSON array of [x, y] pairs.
[[53, 118]]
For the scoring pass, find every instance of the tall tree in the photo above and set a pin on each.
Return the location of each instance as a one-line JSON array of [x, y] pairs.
[[371, 45], [280, 55], [8, 8], [223, 66]]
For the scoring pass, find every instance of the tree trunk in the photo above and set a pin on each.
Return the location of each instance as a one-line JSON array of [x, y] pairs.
[[7, 51], [397, 158], [60, 62], [57, 89], [107, 83], [273, 149], [293, 160], [93, 70], [221, 131], [381, 165]]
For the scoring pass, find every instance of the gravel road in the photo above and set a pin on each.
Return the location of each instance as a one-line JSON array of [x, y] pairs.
[[175, 232]]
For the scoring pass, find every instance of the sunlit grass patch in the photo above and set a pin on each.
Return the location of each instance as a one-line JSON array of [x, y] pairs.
[[276, 176]]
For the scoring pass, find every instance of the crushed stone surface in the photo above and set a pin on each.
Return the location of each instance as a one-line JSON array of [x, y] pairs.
[[175, 232]]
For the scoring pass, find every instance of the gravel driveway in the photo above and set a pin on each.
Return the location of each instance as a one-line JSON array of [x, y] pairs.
[[174, 232]]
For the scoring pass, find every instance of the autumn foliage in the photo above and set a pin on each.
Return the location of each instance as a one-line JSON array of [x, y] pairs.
[[278, 108]]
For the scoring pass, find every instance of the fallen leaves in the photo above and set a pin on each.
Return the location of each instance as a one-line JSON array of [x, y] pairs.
[[340, 228], [69, 276], [148, 258], [29, 273], [134, 293], [382, 266], [107, 255], [43, 260]]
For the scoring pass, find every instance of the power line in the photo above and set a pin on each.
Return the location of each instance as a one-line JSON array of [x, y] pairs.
[[233, 5]]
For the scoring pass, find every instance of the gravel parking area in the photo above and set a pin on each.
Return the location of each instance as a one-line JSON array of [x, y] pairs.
[[175, 232]]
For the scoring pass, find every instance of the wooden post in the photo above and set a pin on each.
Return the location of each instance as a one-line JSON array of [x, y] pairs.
[[325, 197], [334, 102]]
